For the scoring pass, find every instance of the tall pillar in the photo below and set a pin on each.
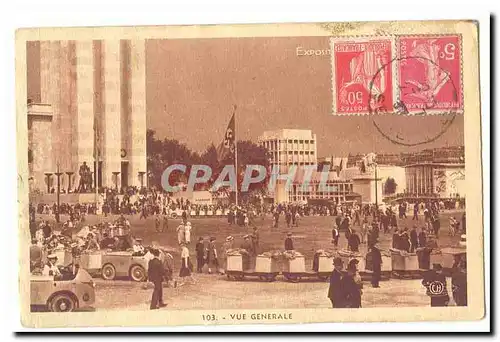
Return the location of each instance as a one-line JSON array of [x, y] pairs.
[[66, 110], [50, 82], [137, 122], [84, 123], [111, 130]]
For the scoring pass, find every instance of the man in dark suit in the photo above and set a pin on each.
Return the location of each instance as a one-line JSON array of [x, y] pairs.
[[200, 254], [289, 242], [335, 292], [376, 257], [413, 239], [353, 241], [155, 275]]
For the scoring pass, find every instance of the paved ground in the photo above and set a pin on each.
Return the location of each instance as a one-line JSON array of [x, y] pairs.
[[216, 292]]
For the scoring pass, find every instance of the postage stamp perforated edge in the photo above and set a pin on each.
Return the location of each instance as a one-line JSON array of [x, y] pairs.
[[395, 46], [460, 86], [356, 38]]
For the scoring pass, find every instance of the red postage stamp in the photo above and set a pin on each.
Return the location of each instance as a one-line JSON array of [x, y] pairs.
[[362, 76], [430, 73]]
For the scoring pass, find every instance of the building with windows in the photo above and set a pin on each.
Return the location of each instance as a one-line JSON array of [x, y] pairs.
[[326, 186], [91, 102], [445, 180], [288, 147]]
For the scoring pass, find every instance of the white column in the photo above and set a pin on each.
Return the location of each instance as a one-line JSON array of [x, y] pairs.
[[50, 85], [84, 125], [66, 108], [111, 130], [137, 124]]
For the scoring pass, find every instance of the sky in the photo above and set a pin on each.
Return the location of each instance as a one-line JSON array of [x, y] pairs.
[[192, 85]]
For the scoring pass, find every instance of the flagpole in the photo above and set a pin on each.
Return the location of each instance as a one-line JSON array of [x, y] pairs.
[[236, 156], [96, 153]]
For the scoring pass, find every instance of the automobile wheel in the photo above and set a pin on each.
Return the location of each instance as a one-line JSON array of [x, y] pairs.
[[108, 272], [62, 303], [137, 273]]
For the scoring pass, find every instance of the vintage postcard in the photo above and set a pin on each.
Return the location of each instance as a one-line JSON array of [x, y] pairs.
[[250, 174]]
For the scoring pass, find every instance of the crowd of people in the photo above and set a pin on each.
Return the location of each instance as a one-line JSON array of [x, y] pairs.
[[361, 224]]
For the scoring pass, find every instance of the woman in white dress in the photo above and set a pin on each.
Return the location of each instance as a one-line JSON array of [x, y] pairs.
[[185, 271], [187, 233]]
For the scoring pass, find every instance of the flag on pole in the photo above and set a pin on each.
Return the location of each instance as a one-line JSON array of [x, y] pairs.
[[227, 146]]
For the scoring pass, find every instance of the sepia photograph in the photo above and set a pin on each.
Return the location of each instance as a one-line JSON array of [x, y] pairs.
[[311, 173]]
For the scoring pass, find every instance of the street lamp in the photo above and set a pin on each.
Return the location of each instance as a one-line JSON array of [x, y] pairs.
[[376, 186], [48, 175], [58, 175], [69, 173]]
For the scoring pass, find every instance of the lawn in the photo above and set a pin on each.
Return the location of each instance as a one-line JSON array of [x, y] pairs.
[[313, 233]]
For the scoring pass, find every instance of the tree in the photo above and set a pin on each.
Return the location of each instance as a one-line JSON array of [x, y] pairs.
[[166, 152], [390, 186]]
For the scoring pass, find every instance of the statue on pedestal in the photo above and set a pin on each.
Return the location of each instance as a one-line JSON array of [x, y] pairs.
[[85, 184], [367, 163]]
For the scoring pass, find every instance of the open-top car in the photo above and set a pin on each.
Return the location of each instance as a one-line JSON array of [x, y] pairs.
[[124, 264], [62, 294]]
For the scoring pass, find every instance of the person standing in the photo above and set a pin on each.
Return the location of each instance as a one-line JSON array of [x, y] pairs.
[[413, 239], [376, 257], [228, 245], [186, 266], [247, 246], [435, 284], [288, 218], [155, 276], [415, 212], [276, 216], [212, 259], [335, 292], [255, 240], [289, 242], [396, 239], [165, 222], [157, 223], [181, 233], [422, 238], [354, 241], [200, 255], [459, 284], [187, 233], [364, 229], [352, 285], [335, 236]]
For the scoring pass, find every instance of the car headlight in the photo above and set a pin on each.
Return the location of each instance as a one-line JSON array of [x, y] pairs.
[[86, 297]]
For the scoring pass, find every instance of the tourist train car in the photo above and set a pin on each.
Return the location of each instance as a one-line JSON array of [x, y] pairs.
[[65, 295], [405, 265], [294, 266], [240, 266]]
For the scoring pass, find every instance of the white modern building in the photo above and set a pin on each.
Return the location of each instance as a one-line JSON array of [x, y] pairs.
[[290, 147], [446, 180], [286, 148], [92, 99]]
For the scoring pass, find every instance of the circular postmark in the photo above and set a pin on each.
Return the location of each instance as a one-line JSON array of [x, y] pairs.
[[416, 126]]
